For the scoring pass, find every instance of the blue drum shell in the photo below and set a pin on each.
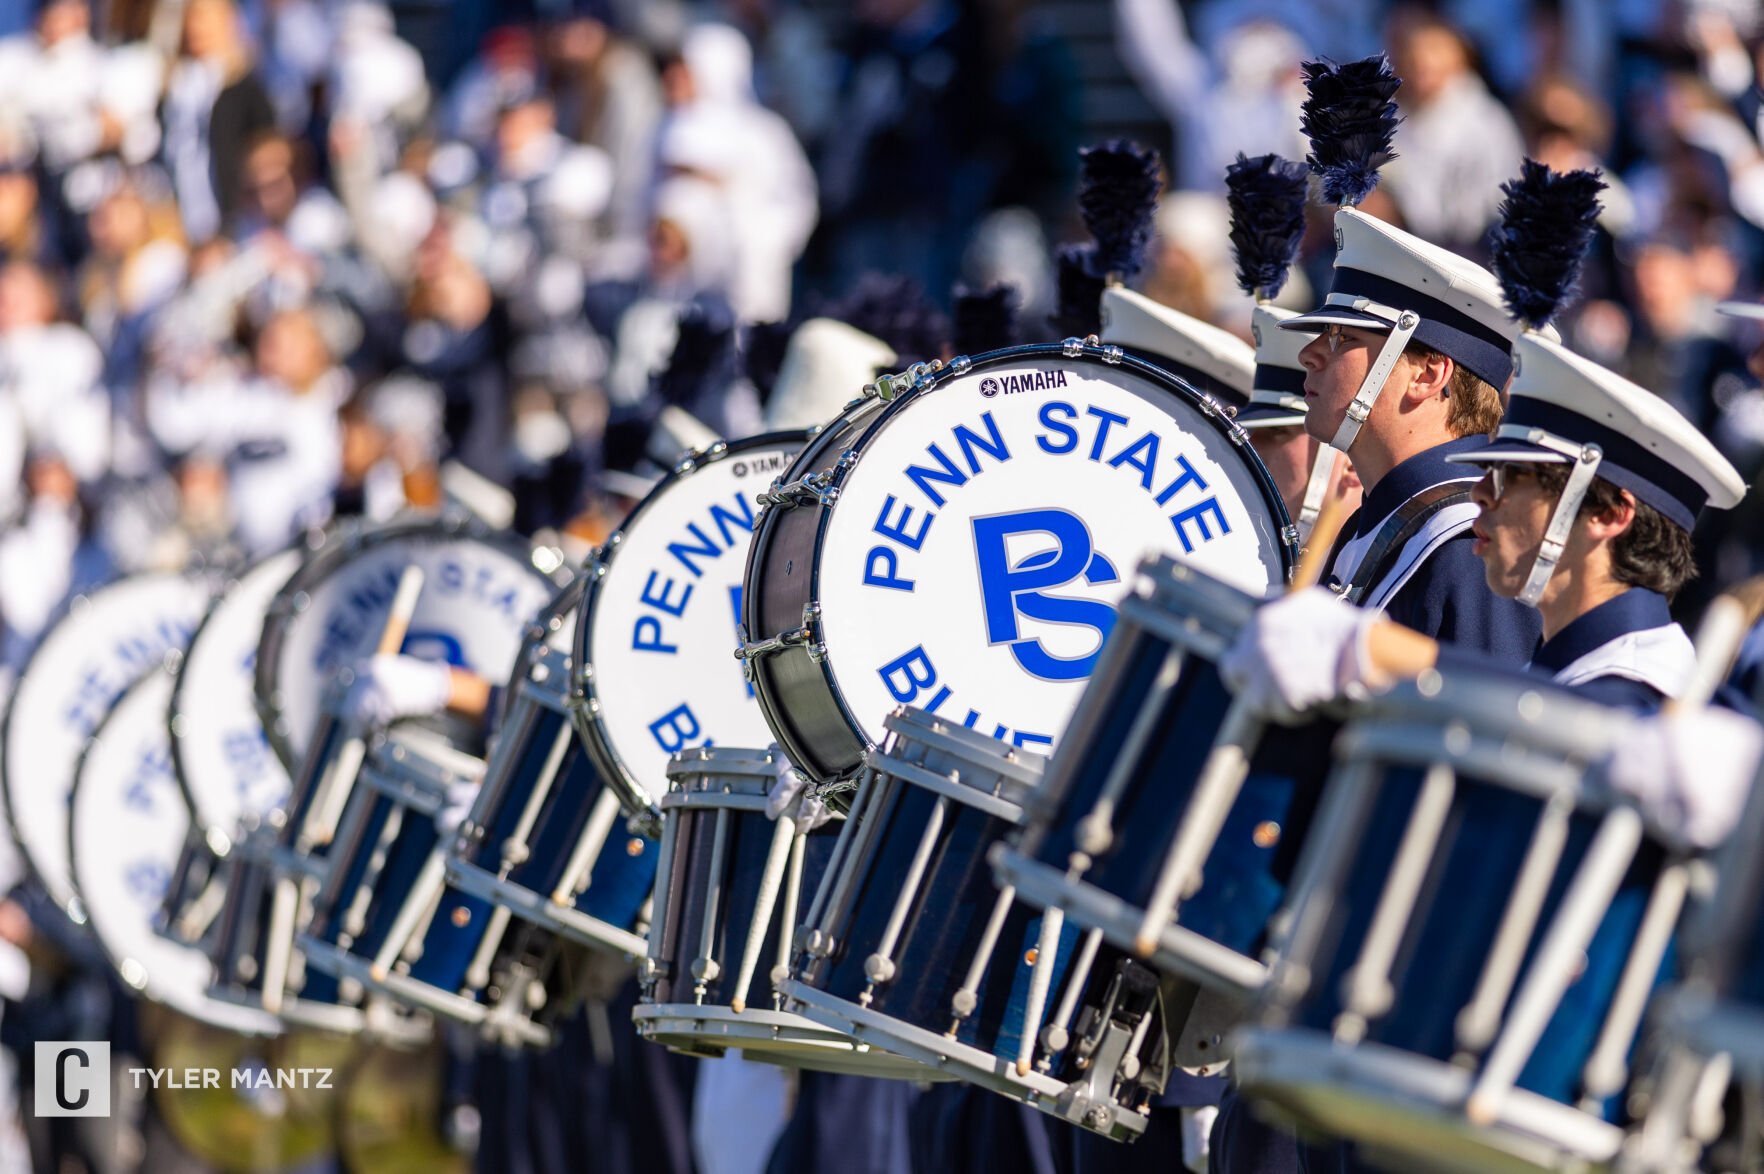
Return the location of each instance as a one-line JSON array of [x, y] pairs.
[[944, 928], [1457, 917], [687, 896], [241, 940], [1246, 874], [621, 878], [459, 923]]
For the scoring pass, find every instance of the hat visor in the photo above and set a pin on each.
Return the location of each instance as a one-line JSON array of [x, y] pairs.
[[1500, 452], [1316, 320], [1269, 416]]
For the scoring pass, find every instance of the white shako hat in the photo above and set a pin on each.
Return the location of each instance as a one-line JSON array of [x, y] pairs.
[[1383, 274], [1565, 409], [826, 364], [1213, 360], [1278, 397]]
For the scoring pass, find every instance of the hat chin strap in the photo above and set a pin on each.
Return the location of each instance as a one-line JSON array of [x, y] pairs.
[[1555, 539], [1322, 466], [1394, 344]]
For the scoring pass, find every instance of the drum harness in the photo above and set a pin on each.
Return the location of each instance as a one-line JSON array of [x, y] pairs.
[[1405, 523]]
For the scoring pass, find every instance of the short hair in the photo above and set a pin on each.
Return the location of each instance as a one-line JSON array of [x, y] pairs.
[[1473, 407], [1655, 552]]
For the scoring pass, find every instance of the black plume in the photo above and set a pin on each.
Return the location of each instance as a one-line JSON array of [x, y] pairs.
[[1351, 120], [985, 320], [1117, 196], [1267, 199], [894, 308], [762, 354], [1080, 292], [704, 351], [1546, 225]]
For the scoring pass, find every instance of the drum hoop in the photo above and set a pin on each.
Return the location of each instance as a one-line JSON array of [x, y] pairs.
[[584, 688], [1528, 709], [912, 724], [177, 707], [1529, 771], [713, 801], [550, 618], [75, 604], [1285, 534], [330, 551]]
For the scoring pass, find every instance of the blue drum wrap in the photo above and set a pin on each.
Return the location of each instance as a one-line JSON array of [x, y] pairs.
[[749, 839], [242, 938], [1461, 903], [623, 874], [1245, 874], [944, 928]]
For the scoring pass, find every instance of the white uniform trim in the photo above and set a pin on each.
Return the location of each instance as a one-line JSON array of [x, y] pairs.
[[1440, 528], [1662, 657]]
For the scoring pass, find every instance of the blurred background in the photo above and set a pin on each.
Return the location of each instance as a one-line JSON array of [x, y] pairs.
[[267, 263]]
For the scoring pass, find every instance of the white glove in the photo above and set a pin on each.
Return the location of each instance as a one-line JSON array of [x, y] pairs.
[[390, 686], [793, 797], [1299, 652], [452, 813], [1691, 771]]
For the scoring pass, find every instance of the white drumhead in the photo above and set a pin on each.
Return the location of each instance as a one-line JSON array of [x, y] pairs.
[[222, 754], [662, 620], [104, 642], [477, 599], [979, 545], [128, 824]]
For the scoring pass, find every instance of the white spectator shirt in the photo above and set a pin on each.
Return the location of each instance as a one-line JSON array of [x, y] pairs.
[[52, 375]]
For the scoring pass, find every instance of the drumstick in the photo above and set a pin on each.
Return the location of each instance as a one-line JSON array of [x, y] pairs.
[[340, 779], [1222, 775]]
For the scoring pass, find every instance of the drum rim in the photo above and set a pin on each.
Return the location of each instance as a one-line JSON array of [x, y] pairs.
[[148, 990], [1285, 534], [328, 551], [561, 612], [584, 687], [74, 603], [177, 708]]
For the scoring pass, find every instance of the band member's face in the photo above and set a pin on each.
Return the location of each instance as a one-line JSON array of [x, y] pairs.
[[1515, 512], [1336, 363]]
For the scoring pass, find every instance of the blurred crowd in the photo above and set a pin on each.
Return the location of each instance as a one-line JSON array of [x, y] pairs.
[[266, 263]]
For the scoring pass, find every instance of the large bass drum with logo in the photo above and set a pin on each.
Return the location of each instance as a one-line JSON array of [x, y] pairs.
[[103, 643], [662, 606], [127, 824], [219, 751], [958, 539], [480, 587]]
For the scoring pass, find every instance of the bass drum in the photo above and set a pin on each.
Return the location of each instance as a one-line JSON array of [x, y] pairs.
[[958, 539], [102, 644], [480, 587], [219, 750], [658, 624], [127, 826]]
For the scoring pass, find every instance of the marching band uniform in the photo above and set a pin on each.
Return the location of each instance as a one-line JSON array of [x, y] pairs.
[[1406, 551]]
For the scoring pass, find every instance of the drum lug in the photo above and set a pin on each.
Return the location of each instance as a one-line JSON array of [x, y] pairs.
[[1112, 355], [815, 489], [749, 651]]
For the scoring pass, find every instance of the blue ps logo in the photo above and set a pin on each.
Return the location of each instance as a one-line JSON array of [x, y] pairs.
[[1012, 591]]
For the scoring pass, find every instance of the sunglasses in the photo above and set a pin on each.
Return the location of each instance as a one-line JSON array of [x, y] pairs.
[[1504, 474]]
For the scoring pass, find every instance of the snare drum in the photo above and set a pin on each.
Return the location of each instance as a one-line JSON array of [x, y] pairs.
[[386, 919], [219, 751], [957, 541], [726, 910], [127, 823], [1476, 931], [910, 948], [546, 838], [1125, 809], [104, 641]]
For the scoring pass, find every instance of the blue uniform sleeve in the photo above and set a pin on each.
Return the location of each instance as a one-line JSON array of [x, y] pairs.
[[1448, 598]]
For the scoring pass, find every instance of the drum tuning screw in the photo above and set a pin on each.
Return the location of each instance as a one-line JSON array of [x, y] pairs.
[[1098, 1118]]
